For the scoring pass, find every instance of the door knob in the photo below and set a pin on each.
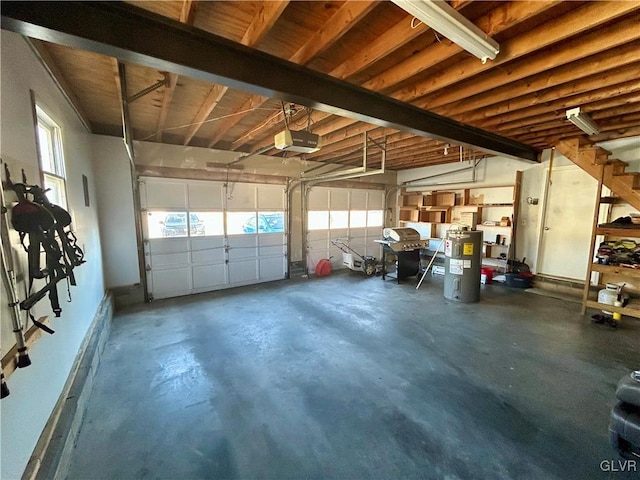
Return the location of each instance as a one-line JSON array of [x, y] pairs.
[[546, 228]]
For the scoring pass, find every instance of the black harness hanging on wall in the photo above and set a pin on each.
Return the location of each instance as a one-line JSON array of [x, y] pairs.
[[46, 227]]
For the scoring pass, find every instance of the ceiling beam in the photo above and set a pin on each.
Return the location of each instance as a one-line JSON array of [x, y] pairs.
[[188, 11], [505, 16], [132, 34], [339, 24], [576, 24], [595, 97], [263, 21], [41, 50], [557, 64], [210, 102], [607, 68], [187, 16]]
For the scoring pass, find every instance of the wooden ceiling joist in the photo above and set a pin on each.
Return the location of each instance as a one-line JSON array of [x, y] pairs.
[[620, 77], [573, 24], [580, 48], [339, 23], [264, 20], [554, 55]]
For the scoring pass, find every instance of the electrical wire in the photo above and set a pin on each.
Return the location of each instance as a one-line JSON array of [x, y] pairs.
[[222, 117]]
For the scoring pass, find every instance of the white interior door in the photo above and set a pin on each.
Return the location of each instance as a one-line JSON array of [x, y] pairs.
[[567, 222], [201, 236]]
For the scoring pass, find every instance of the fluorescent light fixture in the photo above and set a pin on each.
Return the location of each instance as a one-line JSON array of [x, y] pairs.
[[446, 20], [583, 121]]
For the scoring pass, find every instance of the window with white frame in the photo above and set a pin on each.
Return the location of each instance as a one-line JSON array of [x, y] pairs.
[[51, 158]]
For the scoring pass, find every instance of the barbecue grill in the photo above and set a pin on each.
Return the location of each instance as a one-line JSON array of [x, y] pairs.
[[405, 245]]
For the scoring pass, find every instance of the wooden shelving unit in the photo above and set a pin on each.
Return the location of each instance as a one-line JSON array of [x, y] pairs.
[[610, 273], [426, 211]]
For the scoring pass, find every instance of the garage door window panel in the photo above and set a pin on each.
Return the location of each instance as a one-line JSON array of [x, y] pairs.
[[271, 222], [358, 218], [241, 223], [207, 223], [318, 220]]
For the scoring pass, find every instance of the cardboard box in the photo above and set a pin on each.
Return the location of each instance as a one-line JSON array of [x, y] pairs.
[[470, 219]]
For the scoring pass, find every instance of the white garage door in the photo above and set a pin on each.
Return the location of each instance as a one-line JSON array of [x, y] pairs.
[[201, 236], [355, 215]]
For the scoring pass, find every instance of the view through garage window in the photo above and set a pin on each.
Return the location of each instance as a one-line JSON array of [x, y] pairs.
[[239, 223], [162, 224], [339, 219]]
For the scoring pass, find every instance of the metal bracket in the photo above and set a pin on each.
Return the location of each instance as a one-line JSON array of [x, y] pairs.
[[150, 88]]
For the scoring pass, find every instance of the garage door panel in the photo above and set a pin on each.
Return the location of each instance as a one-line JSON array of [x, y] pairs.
[[271, 268], [243, 272], [207, 250], [373, 250], [161, 194], [358, 199], [358, 233], [271, 251], [206, 243], [374, 232], [242, 196], [198, 263], [339, 233], [318, 198], [241, 247], [375, 199], [206, 196], [321, 244], [171, 283], [339, 199], [169, 259], [214, 255], [316, 235], [174, 245], [209, 276], [358, 246], [270, 197], [268, 240]]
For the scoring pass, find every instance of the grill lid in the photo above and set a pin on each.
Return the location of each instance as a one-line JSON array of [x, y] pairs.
[[401, 234]]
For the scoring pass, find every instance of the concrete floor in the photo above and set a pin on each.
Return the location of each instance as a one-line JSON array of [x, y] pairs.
[[350, 377]]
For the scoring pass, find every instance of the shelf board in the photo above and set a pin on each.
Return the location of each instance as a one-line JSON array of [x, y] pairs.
[[619, 232], [409, 207], [632, 309], [435, 208], [493, 226], [615, 270], [510, 204]]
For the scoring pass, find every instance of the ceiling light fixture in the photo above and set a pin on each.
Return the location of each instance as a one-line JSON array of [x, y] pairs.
[[583, 121], [447, 21]]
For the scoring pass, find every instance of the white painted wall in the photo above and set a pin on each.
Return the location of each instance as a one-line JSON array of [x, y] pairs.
[[115, 211], [35, 390], [490, 171]]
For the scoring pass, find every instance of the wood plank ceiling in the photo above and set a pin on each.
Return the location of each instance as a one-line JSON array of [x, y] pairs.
[[554, 55]]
